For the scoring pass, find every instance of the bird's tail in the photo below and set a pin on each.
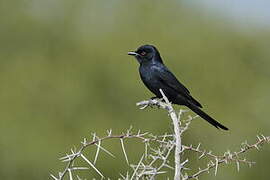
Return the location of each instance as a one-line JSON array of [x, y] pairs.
[[205, 116]]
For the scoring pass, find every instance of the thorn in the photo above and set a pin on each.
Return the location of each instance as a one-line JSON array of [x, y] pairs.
[[238, 166], [256, 146], [70, 174], [53, 177], [198, 147], [216, 167], [124, 151], [109, 132], [202, 155], [92, 165], [97, 152], [137, 167], [105, 150]]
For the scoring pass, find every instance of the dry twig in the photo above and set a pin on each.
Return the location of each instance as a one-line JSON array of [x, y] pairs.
[[155, 159]]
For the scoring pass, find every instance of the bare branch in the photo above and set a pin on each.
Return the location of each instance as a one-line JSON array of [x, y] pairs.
[[69, 158], [157, 149], [228, 157]]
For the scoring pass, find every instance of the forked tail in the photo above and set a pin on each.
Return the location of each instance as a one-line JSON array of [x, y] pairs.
[[206, 117]]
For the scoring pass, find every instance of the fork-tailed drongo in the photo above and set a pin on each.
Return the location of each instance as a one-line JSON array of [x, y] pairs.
[[155, 75]]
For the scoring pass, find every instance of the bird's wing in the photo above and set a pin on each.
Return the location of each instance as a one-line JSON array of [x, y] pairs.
[[168, 79]]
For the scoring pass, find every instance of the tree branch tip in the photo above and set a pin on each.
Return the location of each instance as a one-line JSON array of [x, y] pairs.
[[166, 144]]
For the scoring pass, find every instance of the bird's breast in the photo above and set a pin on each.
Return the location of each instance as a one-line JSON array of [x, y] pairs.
[[146, 74], [150, 80]]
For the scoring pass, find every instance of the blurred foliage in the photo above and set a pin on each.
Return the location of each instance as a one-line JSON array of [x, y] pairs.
[[64, 73]]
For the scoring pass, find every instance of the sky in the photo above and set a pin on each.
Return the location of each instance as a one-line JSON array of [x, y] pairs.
[[242, 12]]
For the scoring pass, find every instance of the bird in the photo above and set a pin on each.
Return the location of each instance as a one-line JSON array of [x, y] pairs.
[[155, 76]]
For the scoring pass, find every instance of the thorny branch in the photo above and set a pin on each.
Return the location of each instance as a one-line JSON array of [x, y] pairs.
[[155, 159], [177, 135], [227, 157], [96, 141]]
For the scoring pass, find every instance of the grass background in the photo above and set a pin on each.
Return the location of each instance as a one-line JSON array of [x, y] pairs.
[[64, 72]]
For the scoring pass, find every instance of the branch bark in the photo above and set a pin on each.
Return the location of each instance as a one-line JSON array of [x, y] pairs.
[[177, 131], [178, 140]]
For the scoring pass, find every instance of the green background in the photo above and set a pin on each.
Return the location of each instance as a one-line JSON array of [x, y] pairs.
[[64, 73]]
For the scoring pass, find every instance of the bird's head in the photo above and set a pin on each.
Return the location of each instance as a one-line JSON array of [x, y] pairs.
[[146, 53]]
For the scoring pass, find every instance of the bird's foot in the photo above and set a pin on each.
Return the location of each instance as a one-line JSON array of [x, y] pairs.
[[155, 98]]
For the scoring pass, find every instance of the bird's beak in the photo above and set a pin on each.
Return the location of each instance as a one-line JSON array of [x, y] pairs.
[[132, 53]]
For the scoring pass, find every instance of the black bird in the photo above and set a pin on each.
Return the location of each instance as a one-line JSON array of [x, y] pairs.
[[155, 75]]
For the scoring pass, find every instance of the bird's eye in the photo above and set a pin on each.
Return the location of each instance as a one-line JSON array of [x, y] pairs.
[[143, 53]]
